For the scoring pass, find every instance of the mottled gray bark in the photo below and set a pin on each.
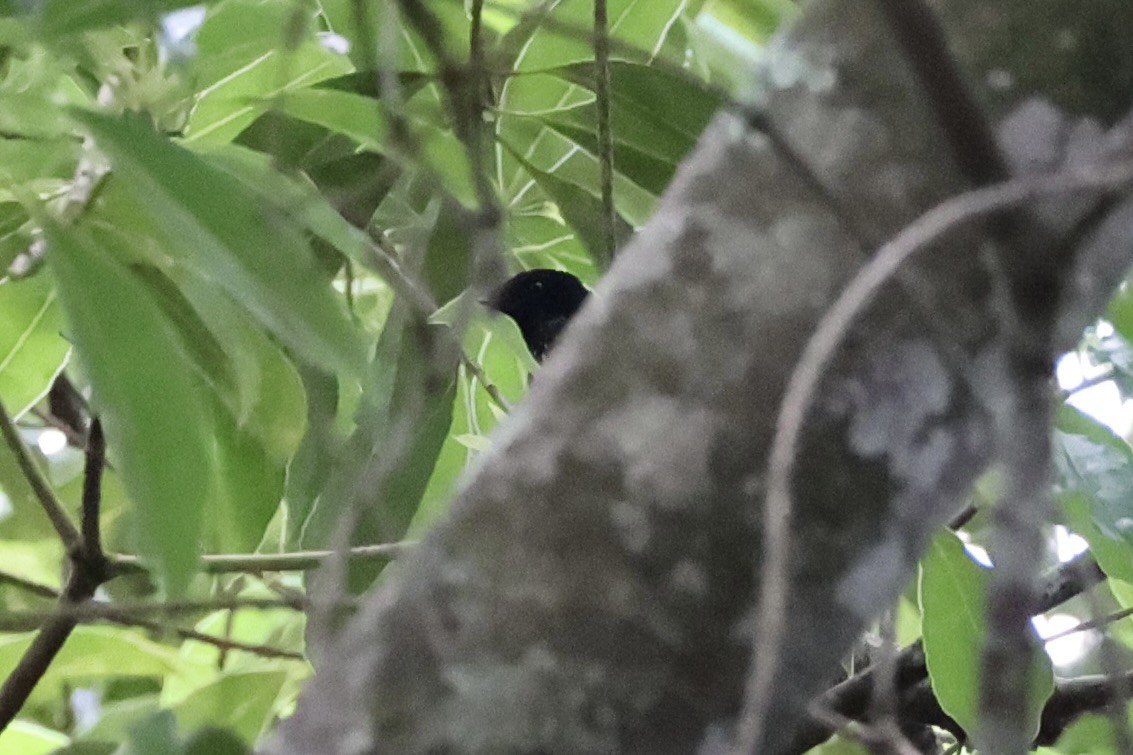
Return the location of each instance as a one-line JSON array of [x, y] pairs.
[[593, 588]]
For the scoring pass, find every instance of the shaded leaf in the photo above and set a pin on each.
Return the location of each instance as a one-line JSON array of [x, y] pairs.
[[90, 654], [953, 595], [242, 702], [153, 411], [219, 229], [56, 17], [580, 209], [1097, 465]]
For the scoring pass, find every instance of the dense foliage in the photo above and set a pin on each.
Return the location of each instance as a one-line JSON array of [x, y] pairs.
[[251, 237]]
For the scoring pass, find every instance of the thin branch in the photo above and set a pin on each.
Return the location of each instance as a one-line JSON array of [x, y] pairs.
[[49, 420], [35, 588], [92, 610], [1102, 377], [1085, 626], [466, 87], [254, 563], [969, 136], [224, 644], [605, 134], [389, 266], [88, 571], [66, 530], [92, 492], [109, 614], [33, 665], [812, 366], [850, 698], [1071, 699]]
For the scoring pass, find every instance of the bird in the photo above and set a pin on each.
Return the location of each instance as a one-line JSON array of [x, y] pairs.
[[541, 302]]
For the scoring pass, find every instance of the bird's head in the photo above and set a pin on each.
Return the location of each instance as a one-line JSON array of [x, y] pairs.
[[541, 302]]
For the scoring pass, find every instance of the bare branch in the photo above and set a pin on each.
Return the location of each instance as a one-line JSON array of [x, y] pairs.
[[66, 530], [255, 563]]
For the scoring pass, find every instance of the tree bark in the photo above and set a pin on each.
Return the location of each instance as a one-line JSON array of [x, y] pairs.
[[593, 589]]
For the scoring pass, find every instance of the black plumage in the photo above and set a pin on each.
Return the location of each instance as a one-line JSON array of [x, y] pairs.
[[541, 302]]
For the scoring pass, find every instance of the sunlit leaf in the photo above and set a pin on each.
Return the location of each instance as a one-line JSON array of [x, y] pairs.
[[32, 347], [29, 738]]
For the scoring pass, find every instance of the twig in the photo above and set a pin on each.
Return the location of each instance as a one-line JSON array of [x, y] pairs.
[[92, 491], [223, 643], [970, 139], [605, 135], [66, 530], [1103, 377], [1085, 626], [466, 87], [812, 365], [92, 610], [33, 665], [27, 585], [74, 439], [88, 571], [387, 264], [254, 563], [850, 698]]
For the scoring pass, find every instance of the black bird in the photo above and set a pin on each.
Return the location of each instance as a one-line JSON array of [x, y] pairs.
[[541, 302]]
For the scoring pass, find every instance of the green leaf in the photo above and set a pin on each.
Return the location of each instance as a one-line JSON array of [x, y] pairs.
[[15, 232], [386, 465], [361, 119], [152, 409], [29, 114], [644, 98], [539, 237], [410, 52], [118, 717], [405, 415], [242, 702], [1094, 464], [953, 595], [156, 735], [37, 159], [1120, 312], [217, 227], [57, 17], [251, 54], [315, 458], [32, 349], [497, 345], [640, 24], [92, 653], [755, 19], [1092, 734], [214, 742], [29, 738], [580, 209], [1114, 555]]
